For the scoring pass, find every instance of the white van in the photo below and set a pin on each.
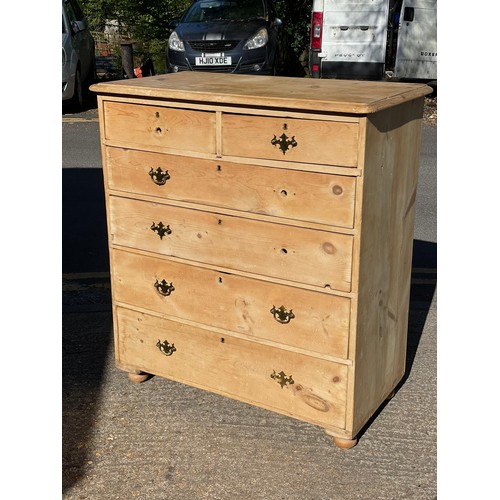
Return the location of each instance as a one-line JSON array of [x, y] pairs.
[[416, 51], [374, 39]]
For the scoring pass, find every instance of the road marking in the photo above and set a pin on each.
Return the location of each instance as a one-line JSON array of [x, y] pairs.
[[105, 275], [82, 276], [79, 120]]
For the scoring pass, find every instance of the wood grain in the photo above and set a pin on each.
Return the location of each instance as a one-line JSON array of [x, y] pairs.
[[234, 303], [319, 258], [332, 96], [233, 367], [326, 142], [143, 127], [297, 195]]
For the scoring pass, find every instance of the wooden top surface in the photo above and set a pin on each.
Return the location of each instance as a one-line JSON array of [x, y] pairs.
[[340, 96]]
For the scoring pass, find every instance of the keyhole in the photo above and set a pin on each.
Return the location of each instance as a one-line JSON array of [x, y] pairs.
[[284, 193], [284, 251], [157, 114], [220, 279], [285, 126], [219, 168], [158, 130]]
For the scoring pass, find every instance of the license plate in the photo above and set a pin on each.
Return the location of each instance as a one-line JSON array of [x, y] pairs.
[[213, 61]]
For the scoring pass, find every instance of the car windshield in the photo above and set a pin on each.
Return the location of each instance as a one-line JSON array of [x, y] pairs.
[[213, 10]]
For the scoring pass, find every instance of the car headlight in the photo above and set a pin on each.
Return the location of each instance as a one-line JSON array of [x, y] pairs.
[[258, 40], [175, 43]]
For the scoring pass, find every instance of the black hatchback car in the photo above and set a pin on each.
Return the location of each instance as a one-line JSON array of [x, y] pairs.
[[225, 36]]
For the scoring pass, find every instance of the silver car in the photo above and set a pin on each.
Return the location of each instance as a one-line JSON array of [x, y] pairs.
[[78, 54]]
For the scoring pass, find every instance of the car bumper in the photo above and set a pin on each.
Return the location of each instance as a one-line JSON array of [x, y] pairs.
[[253, 61]]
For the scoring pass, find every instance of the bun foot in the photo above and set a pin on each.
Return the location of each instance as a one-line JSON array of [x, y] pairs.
[[137, 378], [391, 395], [345, 443], [342, 442]]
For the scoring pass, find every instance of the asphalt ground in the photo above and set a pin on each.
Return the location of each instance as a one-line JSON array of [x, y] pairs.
[[165, 440]]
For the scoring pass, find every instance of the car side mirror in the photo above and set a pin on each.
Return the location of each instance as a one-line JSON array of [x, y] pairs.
[[173, 24], [278, 22], [79, 26]]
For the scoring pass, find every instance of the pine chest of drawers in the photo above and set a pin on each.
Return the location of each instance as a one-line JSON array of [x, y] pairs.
[[260, 237]]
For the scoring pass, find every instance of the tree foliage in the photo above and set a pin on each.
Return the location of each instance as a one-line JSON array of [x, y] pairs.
[[137, 19]]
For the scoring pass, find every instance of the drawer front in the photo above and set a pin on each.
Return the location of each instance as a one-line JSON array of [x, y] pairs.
[[290, 139], [301, 255], [308, 320], [306, 196], [145, 127], [241, 369]]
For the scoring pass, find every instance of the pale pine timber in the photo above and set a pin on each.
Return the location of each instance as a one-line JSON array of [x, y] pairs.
[[287, 260]]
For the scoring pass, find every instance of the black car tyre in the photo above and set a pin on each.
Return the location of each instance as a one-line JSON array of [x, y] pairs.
[[77, 101]]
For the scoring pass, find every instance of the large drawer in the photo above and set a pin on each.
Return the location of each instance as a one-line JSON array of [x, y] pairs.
[[294, 384], [305, 319], [290, 139], [157, 128], [305, 196], [319, 258]]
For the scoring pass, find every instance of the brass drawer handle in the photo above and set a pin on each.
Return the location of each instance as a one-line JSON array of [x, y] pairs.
[[164, 288], [282, 378], [158, 176], [166, 348], [283, 142], [281, 315], [160, 229]]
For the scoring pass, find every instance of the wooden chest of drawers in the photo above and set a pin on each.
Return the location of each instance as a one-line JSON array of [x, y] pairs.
[[260, 237]]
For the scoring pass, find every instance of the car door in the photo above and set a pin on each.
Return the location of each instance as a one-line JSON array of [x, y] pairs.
[[82, 39]]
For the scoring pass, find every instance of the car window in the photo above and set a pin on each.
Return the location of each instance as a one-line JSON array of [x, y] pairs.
[[75, 12], [219, 10]]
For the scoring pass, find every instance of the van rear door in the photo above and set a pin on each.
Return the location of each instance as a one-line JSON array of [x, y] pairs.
[[353, 38], [416, 53]]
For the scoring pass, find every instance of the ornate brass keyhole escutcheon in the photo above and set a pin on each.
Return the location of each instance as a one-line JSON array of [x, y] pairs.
[[166, 348], [281, 315], [158, 176], [164, 288], [282, 378], [160, 229], [284, 142]]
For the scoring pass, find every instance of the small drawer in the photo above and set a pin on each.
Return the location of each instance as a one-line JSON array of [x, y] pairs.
[[290, 139], [308, 320], [305, 196], [158, 128], [294, 384], [319, 258]]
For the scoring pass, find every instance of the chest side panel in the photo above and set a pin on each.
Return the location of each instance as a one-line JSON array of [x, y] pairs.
[[386, 243]]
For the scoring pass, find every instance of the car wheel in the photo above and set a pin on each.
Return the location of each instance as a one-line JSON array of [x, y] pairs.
[[77, 101]]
